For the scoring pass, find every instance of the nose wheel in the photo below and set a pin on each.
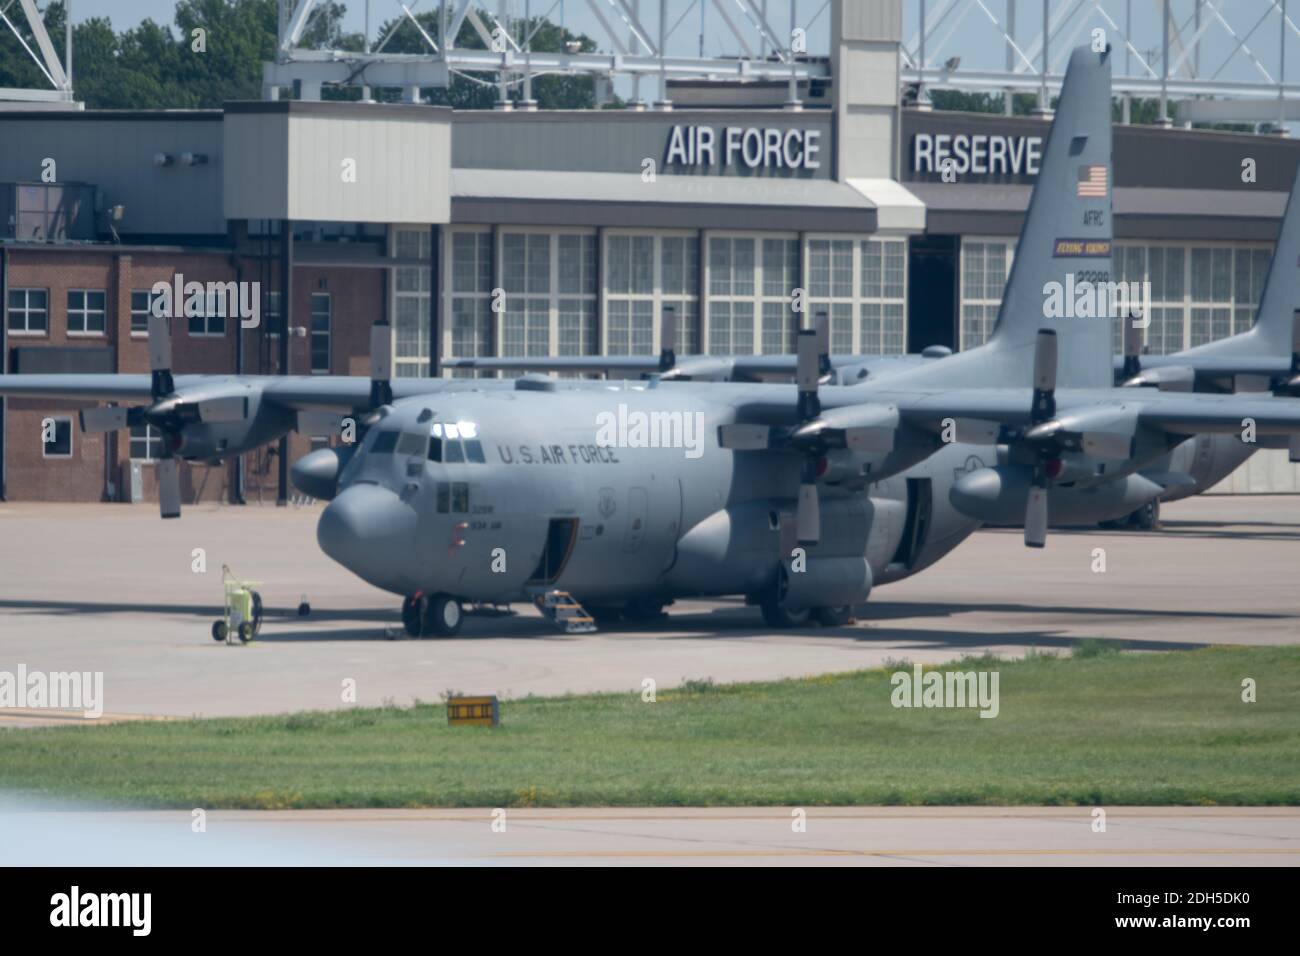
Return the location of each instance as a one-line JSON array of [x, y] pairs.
[[431, 615]]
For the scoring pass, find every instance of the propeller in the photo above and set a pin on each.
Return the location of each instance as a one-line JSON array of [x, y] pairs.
[[1132, 350], [864, 428], [1048, 436]]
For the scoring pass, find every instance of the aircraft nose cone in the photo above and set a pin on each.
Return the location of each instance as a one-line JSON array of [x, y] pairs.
[[371, 532]]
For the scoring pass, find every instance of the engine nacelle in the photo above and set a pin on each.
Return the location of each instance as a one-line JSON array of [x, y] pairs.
[[998, 496], [828, 582], [317, 474]]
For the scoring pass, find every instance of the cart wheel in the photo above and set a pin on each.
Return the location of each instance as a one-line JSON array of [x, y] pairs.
[[219, 630], [246, 631], [257, 612], [304, 609]]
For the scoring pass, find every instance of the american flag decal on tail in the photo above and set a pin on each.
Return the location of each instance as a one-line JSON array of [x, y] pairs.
[[1092, 182]]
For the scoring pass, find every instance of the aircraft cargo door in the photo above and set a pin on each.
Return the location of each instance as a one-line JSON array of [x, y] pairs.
[[638, 502]]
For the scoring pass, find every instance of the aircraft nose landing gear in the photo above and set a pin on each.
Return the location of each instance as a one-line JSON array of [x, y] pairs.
[[436, 615]]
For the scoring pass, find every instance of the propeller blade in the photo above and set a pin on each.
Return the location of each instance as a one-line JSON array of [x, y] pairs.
[[1293, 449], [160, 356], [1132, 348], [807, 375], [668, 339], [1045, 361], [739, 437], [1036, 515], [808, 517], [104, 418], [822, 326], [381, 364], [169, 488], [1044, 402], [229, 409], [1295, 342]]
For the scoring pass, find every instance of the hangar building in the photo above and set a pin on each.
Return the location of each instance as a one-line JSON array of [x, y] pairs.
[[588, 222]]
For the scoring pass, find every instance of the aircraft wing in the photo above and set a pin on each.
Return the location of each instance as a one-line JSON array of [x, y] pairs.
[[1193, 414], [110, 387]]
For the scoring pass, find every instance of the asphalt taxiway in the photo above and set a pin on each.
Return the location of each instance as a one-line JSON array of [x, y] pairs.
[[675, 836], [112, 588]]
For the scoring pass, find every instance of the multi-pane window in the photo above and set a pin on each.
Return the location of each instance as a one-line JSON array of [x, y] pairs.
[[87, 311], [576, 307], [209, 318], [29, 311], [882, 296], [647, 273], [752, 282], [861, 285], [141, 305], [1198, 292], [985, 264], [469, 298], [146, 443], [411, 290], [320, 333]]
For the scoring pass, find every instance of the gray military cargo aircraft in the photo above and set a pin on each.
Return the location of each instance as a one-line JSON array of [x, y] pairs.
[[799, 498]]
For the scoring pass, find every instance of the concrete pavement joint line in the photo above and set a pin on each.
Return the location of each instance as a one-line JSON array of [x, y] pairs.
[[899, 854]]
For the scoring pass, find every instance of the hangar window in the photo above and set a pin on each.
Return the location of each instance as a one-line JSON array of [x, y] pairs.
[[411, 285], [648, 272], [141, 305], [985, 264], [210, 319], [321, 307], [146, 443], [87, 311], [56, 438], [29, 311]]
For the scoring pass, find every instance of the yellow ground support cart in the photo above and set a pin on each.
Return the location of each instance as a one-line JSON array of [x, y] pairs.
[[243, 613]]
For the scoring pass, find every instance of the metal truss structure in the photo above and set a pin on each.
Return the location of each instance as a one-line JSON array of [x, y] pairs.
[[1217, 60], [637, 33], [44, 56]]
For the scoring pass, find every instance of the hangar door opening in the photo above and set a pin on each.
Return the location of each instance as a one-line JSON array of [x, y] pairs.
[[932, 270]]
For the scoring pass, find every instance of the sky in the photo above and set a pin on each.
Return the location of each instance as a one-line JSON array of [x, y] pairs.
[[965, 32]]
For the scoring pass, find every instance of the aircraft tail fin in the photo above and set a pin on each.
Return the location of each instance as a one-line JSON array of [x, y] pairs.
[[1274, 324], [1067, 236]]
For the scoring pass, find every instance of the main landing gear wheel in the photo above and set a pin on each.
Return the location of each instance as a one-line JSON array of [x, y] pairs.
[[415, 611], [1146, 518], [833, 616], [443, 616], [776, 614]]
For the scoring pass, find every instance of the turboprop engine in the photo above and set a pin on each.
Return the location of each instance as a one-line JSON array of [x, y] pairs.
[[998, 495]]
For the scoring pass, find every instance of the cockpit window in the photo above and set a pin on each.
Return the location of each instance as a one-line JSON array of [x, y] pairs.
[[385, 442], [412, 443], [455, 443]]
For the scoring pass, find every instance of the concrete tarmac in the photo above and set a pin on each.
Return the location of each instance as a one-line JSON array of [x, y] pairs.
[[675, 836], [113, 588]]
